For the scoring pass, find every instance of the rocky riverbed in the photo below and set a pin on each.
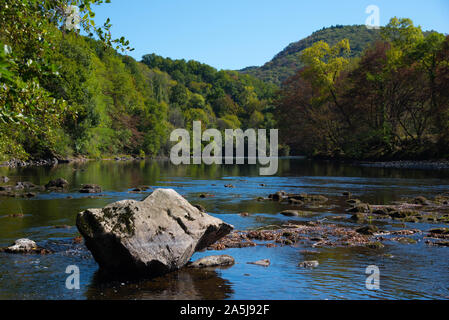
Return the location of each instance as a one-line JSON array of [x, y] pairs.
[[296, 236]]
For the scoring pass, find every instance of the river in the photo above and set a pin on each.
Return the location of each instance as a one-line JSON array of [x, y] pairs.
[[407, 271]]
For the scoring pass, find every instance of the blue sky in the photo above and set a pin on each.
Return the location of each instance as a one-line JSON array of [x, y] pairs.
[[233, 34]]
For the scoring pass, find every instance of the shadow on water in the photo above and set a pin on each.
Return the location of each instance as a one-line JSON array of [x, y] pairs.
[[185, 284]]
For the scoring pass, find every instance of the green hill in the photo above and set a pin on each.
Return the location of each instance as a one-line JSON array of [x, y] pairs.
[[287, 62]]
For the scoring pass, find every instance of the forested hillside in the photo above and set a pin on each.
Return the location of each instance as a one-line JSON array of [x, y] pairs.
[[391, 103], [64, 94], [288, 61], [353, 92]]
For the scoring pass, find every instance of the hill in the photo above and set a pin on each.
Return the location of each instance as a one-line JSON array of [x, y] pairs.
[[287, 62]]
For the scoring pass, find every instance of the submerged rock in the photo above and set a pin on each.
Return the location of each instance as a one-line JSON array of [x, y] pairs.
[[421, 200], [439, 231], [368, 230], [315, 198], [309, 264], [213, 261], [296, 202], [149, 237], [360, 208], [375, 245], [263, 263], [90, 188], [278, 196], [25, 246], [296, 213]]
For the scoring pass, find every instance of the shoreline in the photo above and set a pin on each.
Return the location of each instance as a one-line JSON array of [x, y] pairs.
[[393, 164], [15, 163], [407, 164]]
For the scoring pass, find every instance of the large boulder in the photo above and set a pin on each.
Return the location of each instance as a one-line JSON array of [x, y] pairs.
[[149, 237]]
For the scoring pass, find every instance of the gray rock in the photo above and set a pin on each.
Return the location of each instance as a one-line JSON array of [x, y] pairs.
[[309, 264], [263, 263], [25, 246], [4, 179], [213, 261], [149, 237]]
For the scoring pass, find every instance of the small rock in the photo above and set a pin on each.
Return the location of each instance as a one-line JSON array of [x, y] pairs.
[[29, 195], [62, 227], [442, 231], [229, 186], [263, 263], [421, 200], [78, 239], [25, 246], [295, 213], [4, 179], [244, 214], [290, 213], [295, 202], [278, 196], [90, 188], [213, 261], [309, 264], [375, 245], [368, 230], [16, 215], [360, 207], [406, 240], [58, 183]]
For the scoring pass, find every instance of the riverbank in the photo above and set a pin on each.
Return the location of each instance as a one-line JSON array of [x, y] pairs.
[[16, 163], [417, 165]]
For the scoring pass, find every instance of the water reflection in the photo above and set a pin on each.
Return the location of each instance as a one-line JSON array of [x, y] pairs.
[[415, 271], [185, 284]]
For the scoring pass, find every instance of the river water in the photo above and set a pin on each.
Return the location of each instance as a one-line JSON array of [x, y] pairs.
[[408, 271]]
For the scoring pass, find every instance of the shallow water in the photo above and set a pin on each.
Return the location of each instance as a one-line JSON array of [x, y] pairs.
[[414, 272]]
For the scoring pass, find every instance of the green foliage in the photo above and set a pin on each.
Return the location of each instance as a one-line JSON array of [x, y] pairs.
[[202, 93], [370, 107], [286, 63]]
